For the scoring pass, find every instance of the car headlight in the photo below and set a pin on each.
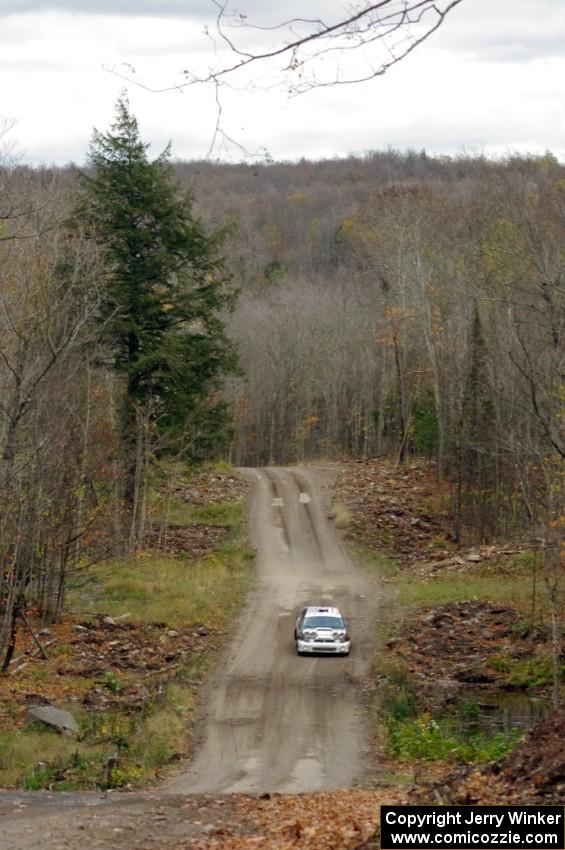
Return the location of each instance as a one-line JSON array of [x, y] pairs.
[[309, 635]]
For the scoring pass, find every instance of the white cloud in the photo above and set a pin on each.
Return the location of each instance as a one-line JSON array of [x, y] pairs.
[[489, 79], [158, 8]]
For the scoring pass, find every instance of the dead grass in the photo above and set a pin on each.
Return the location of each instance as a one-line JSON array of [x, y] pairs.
[[342, 516], [119, 747], [169, 590], [460, 588], [508, 582], [173, 511]]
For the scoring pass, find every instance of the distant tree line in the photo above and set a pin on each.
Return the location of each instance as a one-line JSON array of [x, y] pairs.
[[389, 305], [402, 304]]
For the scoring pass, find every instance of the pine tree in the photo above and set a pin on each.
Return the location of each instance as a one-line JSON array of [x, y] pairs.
[[166, 290]]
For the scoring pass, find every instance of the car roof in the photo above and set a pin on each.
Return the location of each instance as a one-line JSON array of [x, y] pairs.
[[312, 610]]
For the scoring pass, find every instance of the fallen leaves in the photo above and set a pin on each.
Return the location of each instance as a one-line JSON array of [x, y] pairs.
[[401, 509], [102, 664], [193, 541], [453, 642], [336, 820], [205, 487]]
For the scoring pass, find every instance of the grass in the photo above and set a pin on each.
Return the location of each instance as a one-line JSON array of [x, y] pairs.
[[118, 747], [114, 749], [342, 516], [504, 582], [526, 673], [175, 512], [505, 590], [412, 733], [28, 752], [376, 562], [424, 738], [406, 726], [167, 590], [176, 591]]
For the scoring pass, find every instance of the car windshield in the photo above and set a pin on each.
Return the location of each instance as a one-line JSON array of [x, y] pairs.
[[323, 622]]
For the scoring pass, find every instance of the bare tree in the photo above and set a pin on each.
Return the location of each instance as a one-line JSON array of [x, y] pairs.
[[48, 297], [303, 53]]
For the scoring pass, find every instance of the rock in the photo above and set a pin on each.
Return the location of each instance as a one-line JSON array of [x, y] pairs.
[[474, 558], [56, 717], [202, 631], [474, 676], [109, 621], [172, 633]]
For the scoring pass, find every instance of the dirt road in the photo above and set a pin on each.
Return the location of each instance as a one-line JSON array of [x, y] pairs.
[[276, 721]]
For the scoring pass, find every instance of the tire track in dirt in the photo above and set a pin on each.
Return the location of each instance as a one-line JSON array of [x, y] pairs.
[[277, 722]]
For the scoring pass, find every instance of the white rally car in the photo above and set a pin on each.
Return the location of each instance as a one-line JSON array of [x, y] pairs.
[[321, 629]]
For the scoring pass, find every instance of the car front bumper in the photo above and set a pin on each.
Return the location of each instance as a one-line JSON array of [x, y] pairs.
[[328, 648]]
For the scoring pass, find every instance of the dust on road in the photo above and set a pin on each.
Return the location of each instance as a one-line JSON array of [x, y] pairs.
[[277, 722]]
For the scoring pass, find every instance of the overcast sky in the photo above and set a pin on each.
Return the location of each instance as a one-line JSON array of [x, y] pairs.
[[491, 80]]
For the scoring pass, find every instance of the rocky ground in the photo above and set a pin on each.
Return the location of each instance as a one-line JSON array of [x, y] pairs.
[[447, 649], [202, 489], [402, 511], [406, 512], [98, 664], [465, 643]]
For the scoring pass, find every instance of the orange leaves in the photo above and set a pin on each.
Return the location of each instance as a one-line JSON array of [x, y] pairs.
[[398, 314], [336, 820], [310, 420]]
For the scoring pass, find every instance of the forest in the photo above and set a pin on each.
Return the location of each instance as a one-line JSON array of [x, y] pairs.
[[397, 304], [389, 304]]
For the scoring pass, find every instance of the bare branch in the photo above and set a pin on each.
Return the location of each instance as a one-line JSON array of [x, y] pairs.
[[368, 25]]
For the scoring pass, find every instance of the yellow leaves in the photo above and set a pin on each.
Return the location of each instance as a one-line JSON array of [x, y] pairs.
[[310, 420], [354, 230], [297, 198], [398, 314], [347, 227], [502, 253], [276, 240], [437, 326]]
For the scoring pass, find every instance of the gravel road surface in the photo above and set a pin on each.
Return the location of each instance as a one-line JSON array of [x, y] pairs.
[[276, 721]]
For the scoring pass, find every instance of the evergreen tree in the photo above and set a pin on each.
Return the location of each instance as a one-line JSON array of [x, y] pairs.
[[167, 288]]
